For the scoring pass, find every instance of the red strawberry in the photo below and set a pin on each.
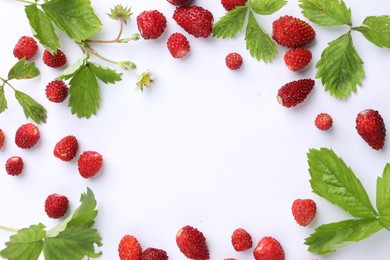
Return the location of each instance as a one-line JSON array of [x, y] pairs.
[[180, 2], [66, 148], [14, 166], [292, 32], [151, 24], [1, 138], [233, 61], [268, 248], [56, 91], [231, 4], [370, 126], [26, 47], [304, 211], [27, 136], [154, 254], [323, 121], [56, 205], [195, 20], [297, 59], [178, 45], [295, 92], [129, 248], [241, 239], [192, 243], [89, 163], [54, 60]]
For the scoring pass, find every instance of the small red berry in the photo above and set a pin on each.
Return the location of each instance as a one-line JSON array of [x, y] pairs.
[[1, 138], [195, 20], [304, 211], [297, 59], [233, 61], [26, 47], [151, 24], [180, 2], [56, 205], [66, 148], [323, 121], [154, 254], [241, 239], [231, 4], [192, 243], [56, 60], [371, 127], [129, 248], [56, 91], [14, 166], [89, 163], [27, 136], [268, 248], [295, 92], [178, 45]]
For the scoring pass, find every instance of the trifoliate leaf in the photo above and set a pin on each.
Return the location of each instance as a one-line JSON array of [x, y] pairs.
[[340, 67], [84, 96], [3, 100], [327, 238], [105, 74], [71, 70], [383, 197], [23, 70], [31, 108], [229, 25], [43, 28], [377, 30], [333, 180], [266, 7], [326, 13], [259, 43], [75, 17], [26, 244]]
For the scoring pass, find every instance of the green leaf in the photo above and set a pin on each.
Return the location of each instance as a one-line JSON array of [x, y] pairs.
[[71, 70], [326, 13], [377, 30], [259, 43], [333, 180], [26, 244], [340, 67], [383, 197], [229, 25], [3, 100], [105, 74], [266, 7], [327, 238], [23, 70], [84, 97], [43, 28], [75, 17], [32, 109]]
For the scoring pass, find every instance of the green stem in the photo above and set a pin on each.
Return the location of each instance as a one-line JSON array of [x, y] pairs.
[[9, 228], [28, 2], [116, 40], [5, 81]]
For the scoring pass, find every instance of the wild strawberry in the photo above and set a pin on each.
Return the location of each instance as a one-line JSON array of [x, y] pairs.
[[26, 47], [297, 59], [154, 254], [233, 61], [178, 45], [268, 248], [1, 138], [195, 20], [89, 163], [66, 148], [192, 243], [129, 248], [151, 24], [323, 121], [304, 211], [241, 239], [292, 32], [14, 166], [231, 4], [370, 126], [56, 91], [27, 136], [295, 92], [180, 2], [56, 205], [56, 60]]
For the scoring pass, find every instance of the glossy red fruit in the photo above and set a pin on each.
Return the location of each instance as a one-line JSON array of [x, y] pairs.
[[195, 20], [26, 47], [129, 248], [231, 4], [178, 45], [192, 243], [295, 92], [269, 248], [371, 127], [56, 60], [56, 91], [56, 205], [151, 24], [66, 148], [323, 121], [14, 165], [180, 2], [304, 211], [154, 254], [297, 59], [2, 138], [27, 136], [241, 240], [233, 61], [89, 163]]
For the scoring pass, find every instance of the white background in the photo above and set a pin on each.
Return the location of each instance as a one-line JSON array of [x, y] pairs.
[[207, 147]]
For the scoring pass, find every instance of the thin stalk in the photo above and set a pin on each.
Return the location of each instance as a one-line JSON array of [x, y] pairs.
[[116, 40], [9, 228]]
